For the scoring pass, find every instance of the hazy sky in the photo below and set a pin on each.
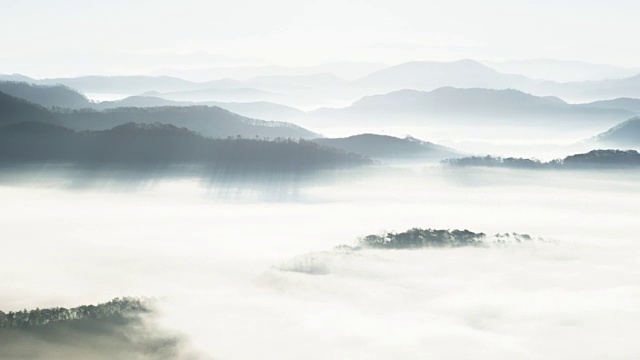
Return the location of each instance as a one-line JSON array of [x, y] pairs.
[[39, 37]]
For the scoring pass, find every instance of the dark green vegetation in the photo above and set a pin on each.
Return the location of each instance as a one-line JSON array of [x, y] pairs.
[[162, 144], [117, 329], [389, 147], [592, 160]]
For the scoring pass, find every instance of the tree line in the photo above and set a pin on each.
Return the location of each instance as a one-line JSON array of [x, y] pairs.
[[118, 307]]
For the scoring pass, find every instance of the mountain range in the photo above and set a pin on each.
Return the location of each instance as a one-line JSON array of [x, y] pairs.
[[326, 89], [210, 121]]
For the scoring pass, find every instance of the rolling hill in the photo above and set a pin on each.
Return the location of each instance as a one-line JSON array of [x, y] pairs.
[[626, 134]]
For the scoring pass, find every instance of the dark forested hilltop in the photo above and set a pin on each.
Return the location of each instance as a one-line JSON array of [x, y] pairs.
[[134, 143]]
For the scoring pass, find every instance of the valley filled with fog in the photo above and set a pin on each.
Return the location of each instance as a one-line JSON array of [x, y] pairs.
[[218, 261]]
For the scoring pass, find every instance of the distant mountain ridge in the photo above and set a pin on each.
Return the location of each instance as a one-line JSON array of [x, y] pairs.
[[430, 75], [465, 105], [209, 121], [302, 89]]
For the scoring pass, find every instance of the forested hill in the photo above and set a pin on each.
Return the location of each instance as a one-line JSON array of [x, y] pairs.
[[159, 144]]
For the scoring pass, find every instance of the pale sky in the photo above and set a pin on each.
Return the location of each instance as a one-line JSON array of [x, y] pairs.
[[65, 37]]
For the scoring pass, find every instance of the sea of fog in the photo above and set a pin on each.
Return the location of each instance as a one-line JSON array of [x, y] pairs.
[[212, 252]]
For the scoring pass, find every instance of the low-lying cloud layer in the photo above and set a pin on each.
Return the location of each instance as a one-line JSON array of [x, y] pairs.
[[213, 262]]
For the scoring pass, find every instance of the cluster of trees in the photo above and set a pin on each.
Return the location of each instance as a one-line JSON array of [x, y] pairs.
[[494, 161], [423, 238], [592, 159], [118, 307]]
